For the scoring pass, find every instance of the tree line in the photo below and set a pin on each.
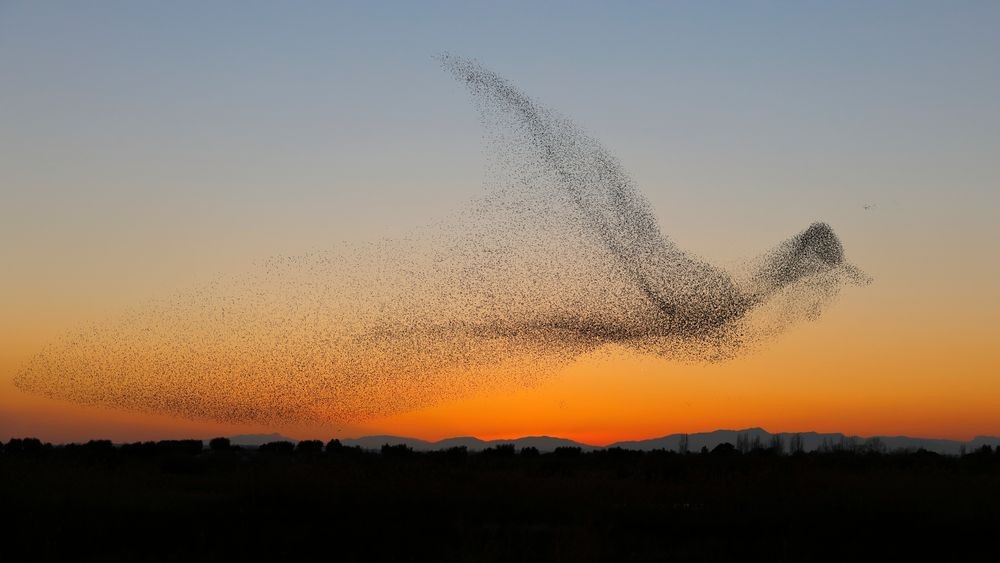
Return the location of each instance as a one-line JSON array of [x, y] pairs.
[[746, 445]]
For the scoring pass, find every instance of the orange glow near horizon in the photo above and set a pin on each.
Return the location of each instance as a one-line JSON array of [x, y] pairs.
[[842, 374], [600, 401]]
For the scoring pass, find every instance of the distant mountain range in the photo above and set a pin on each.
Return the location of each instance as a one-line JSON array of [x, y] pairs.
[[255, 440], [810, 441]]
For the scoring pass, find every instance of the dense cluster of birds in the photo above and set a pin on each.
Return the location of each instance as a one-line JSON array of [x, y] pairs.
[[561, 256]]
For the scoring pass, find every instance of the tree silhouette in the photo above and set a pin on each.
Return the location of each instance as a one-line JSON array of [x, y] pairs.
[[743, 443], [725, 449], [25, 446], [826, 446], [529, 451], [777, 444], [456, 453], [187, 447], [848, 444], [219, 444], [139, 449], [396, 451], [795, 444], [98, 448], [309, 447], [874, 445], [281, 447], [500, 450]]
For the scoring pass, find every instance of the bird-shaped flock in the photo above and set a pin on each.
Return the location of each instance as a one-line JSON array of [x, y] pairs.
[[561, 256]]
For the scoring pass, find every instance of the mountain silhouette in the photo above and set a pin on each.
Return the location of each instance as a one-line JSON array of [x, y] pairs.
[[255, 440], [810, 441]]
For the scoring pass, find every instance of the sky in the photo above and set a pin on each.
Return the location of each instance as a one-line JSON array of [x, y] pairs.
[[146, 148]]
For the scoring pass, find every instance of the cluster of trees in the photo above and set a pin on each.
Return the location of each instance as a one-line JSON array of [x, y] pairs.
[[746, 444], [749, 443], [505, 503], [24, 445]]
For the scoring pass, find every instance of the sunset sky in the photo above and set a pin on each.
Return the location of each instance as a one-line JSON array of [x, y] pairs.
[[148, 148]]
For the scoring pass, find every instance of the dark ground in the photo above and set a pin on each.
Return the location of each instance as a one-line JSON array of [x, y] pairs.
[[172, 501]]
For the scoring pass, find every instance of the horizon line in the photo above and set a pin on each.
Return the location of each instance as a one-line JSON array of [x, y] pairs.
[[279, 436]]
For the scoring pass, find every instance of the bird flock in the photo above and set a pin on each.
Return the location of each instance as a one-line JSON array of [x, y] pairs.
[[559, 257]]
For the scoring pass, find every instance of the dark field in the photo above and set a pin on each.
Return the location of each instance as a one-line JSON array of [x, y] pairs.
[[173, 501]]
